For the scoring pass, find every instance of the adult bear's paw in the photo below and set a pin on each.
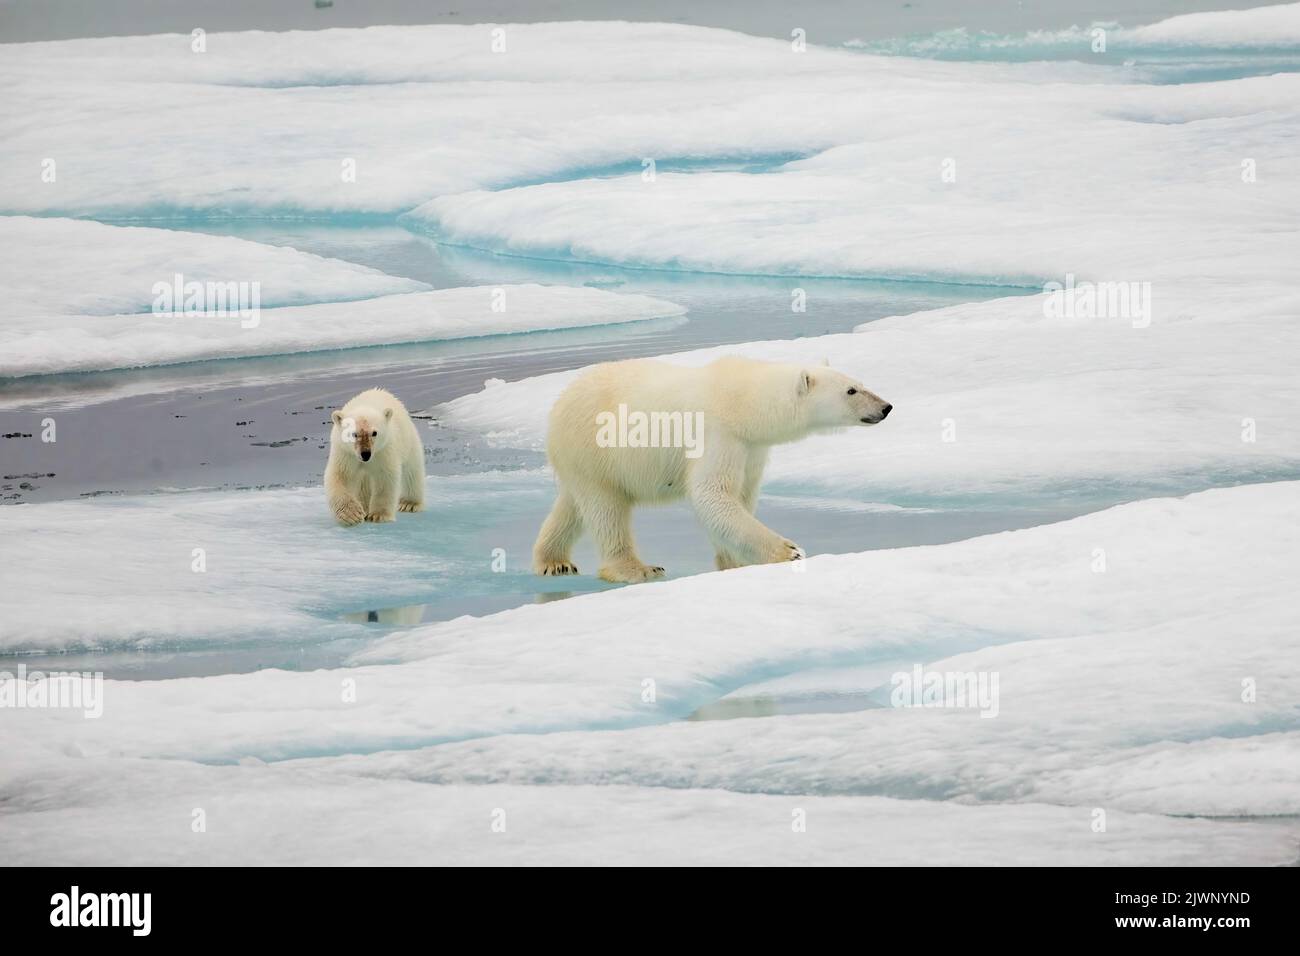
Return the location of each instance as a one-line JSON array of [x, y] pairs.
[[349, 513], [630, 573], [784, 550]]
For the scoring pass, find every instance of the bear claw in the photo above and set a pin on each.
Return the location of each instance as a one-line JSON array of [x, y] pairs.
[[349, 514], [557, 568], [379, 517], [405, 505]]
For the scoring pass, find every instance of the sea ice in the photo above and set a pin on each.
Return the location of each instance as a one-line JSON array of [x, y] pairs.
[[70, 267], [61, 343], [259, 815], [1171, 567]]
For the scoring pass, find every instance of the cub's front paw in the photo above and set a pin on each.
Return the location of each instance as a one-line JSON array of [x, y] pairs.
[[378, 517], [349, 513]]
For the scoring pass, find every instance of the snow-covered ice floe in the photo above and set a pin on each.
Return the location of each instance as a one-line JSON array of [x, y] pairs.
[[81, 296], [1191, 563], [260, 816], [1253, 31], [1144, 183], [1161, 681], [68, 267], [404, 105]]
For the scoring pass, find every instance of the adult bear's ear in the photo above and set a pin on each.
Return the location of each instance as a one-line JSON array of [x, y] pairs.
[[338, 417], [388, 413], [805, 382]]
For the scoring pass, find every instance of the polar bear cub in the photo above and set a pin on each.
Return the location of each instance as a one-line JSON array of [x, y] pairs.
[[645, 432], [376, 463]]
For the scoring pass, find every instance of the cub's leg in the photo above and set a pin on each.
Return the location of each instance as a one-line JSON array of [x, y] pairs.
[[608, 516], [412, 494], [551, 552]]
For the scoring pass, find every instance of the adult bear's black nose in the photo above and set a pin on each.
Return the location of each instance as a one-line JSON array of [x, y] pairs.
[[365, 456], [884, 412]]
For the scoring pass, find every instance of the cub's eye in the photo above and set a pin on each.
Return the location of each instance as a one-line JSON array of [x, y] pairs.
[[853, 391], [374, 434]]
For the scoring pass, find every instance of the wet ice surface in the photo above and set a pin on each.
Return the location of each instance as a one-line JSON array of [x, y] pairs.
[[470, 551]]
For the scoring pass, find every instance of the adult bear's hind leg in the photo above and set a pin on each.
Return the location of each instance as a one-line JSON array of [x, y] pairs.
[[551, 553]]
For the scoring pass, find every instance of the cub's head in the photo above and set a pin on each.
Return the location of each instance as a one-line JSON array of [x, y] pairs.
[[835, 400], [363, 429]]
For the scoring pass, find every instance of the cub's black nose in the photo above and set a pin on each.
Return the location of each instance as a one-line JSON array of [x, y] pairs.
[[884, 412], [365, 456]]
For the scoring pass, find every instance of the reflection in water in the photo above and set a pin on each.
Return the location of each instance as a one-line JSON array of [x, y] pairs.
[[730, 708], [546, 597], [406, 616]]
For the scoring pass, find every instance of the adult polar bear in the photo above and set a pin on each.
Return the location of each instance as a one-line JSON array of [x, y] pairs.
[[744, 408]]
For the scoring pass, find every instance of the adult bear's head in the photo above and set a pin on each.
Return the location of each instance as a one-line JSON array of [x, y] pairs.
[[362, 428], [834, 400]]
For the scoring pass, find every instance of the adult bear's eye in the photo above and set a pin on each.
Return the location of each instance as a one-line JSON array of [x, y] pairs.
[[853, 391]]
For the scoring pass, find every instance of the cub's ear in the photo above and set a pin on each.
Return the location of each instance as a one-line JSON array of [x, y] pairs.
[[388, 413], [338, 417], [805, 382]]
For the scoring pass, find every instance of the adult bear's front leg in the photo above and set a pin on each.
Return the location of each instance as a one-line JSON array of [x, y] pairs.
[[608, 516], [382, 505], [722, 489]]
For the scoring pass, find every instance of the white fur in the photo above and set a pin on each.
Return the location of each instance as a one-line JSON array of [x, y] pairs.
[[393, 478], [747, 407]]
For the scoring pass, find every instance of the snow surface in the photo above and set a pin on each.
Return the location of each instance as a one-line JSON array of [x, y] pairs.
[[71, 267], [141, 813], [1118, 691], [1252, 30], [1150, 188], [1170, 564], [83, 343], [1223, 29], [407, 104]]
